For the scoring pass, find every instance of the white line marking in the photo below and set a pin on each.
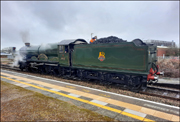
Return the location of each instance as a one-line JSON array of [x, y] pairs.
[[97, 90], [55, 90], [74, 95], [20, 84], [17, 84], [99, 102], [135, 112], [24, 86]]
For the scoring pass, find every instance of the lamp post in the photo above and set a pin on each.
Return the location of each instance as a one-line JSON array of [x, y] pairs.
[[91, 35]]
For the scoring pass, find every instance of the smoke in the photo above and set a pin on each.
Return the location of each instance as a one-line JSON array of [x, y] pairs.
[[25, 36], [17, 58]]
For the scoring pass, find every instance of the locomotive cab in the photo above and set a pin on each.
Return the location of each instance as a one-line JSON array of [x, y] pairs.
[[66, 47]]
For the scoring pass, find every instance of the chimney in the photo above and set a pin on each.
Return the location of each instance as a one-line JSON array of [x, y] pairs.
[[27, 44]]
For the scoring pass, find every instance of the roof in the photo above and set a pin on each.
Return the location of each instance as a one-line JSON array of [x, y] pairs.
[[5, 54], [162, 47], [72, 41]]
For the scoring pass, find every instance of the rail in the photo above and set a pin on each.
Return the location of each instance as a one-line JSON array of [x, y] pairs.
[[162, 92]]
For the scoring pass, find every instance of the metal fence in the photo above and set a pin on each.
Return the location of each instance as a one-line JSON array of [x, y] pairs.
[[168, 57]]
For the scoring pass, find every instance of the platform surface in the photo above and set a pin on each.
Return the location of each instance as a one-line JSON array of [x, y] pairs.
[[117, 106], [169, 80]]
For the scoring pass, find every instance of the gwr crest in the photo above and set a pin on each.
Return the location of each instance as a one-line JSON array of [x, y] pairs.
[[101, 56]]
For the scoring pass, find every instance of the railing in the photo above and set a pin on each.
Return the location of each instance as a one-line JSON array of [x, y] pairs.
[[168, 57]]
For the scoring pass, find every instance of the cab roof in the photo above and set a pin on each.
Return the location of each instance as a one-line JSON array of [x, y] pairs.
[[72, 41]]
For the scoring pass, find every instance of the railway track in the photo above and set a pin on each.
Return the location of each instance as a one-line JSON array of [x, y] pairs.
[[162, 92], [172, 94], [9, 67]]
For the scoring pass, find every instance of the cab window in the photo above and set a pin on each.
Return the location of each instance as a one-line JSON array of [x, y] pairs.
[[66, 49], [61, 49]]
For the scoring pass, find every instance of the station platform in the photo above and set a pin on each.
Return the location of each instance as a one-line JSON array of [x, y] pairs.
[[169, 81], [117, 106]]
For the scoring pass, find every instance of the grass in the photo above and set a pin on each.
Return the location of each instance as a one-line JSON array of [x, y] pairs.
[[19, 104]]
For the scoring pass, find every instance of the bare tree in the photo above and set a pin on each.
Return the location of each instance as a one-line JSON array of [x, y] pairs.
[[173, 52]]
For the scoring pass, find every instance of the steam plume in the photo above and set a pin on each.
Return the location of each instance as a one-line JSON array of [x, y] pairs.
[[25, 36]]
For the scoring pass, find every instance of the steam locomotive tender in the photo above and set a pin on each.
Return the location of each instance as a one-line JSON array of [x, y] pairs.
[[132, 64]]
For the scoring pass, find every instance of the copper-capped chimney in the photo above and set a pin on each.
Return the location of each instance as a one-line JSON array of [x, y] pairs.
[[27, 44]]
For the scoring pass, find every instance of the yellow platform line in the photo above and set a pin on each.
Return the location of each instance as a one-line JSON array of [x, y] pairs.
[[82, 100]]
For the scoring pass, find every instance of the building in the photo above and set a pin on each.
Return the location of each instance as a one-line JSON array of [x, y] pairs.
[[9, 50], [5, 55], [161, 43], [161, 50]]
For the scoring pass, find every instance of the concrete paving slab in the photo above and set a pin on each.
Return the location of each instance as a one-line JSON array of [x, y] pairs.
[[116, 107], [77, 103], [27, 76], [64, 92], [17, 84], [166, 109], [90, 107], [74, 95], [135, 112], [30, 88], [55, 90], [54, 95], [13, 78], [46, 92], [99, 102], [63, 98], [24, 86], [20, 84], [51, 95], [124, 118], [156, 118], [111, 114], [38, 90], [34, 84], [108, 113], [170, 81], [85, 98], [43, 86], [24, 81], [101, 111], [39, 85]]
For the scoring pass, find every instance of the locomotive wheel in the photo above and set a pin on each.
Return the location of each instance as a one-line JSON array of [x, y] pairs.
[[102, 78], [134, 83], [34, 70], [47, 69], [56, 71], [42, 70], [53, 71], [59, 72], [28, 69], [80, 74], [21, 67]]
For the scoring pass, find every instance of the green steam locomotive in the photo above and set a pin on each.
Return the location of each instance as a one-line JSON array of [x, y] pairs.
[[131, 64]]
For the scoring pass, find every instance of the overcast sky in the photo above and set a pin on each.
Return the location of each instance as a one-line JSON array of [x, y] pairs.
[[52, 21]]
